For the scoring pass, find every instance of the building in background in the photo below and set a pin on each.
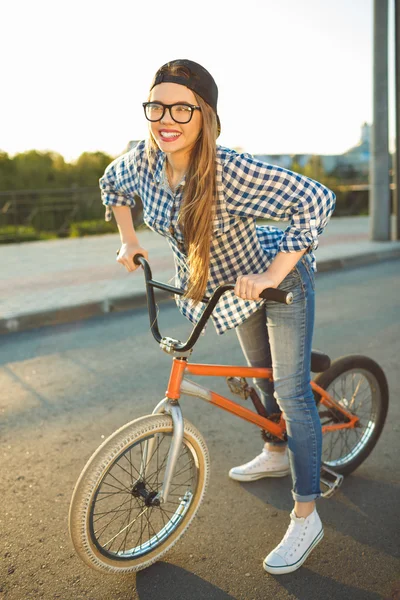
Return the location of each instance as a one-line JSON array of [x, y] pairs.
[[354, 160]]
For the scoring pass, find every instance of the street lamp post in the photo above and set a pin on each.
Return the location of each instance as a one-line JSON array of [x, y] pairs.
[[396, 232], [380, 192]]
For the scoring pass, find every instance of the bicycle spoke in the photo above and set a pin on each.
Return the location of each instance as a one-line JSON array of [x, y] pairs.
[[140, 533], [124, 526], [113, 486], [176, 474], [113, 520], [130, 461], [99, 532], [156, 450], [117, 509], [107, 495], [157, 473], [150, 525], [337, 439], [124, 470], [162, 517], [117, 480], [345, 440], [183, 468], [123, 543], [354, 392], [184, 483], [122, 530]]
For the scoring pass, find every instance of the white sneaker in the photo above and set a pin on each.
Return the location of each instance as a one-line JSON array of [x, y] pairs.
[[302, 536], [266, 464]]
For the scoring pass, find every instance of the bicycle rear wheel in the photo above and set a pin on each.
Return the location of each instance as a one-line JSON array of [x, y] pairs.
[[359, 385], [113, 526]]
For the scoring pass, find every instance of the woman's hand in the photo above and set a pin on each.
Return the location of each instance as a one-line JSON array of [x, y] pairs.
[[249, 287], [126, 254]]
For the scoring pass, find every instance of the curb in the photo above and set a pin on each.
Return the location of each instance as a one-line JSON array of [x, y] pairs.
[[78, 312], [358, 260], [119, 304]]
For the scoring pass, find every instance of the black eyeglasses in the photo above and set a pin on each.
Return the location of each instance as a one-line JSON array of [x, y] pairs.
[[180, 113]]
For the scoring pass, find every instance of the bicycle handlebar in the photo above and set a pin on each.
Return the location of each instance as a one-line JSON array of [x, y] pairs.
[[267, 294]]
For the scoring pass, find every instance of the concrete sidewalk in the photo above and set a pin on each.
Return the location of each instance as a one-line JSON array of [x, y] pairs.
[[57, 281]]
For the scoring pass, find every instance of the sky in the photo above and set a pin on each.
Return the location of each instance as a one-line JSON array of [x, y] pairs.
[[293, 77]]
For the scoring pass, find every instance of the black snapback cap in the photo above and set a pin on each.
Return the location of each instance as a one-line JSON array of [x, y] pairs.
[[199, 80]]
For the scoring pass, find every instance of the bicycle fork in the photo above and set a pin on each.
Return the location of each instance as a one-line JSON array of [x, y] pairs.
[[173, 409]]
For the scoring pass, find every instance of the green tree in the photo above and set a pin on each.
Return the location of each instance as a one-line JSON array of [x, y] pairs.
[[295, 166], [89, 168], [38, 170], [7, 172], [314, 168]]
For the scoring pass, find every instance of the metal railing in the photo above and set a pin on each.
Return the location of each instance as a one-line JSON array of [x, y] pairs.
[[40, 214]]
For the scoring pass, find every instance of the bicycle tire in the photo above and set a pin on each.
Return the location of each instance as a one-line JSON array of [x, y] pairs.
[[360, 370], [124, 445]]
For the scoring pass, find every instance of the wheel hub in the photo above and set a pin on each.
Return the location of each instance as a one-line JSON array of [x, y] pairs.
[[139, 491]]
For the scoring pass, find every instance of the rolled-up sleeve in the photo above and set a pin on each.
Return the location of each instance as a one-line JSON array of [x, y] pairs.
[[257, 189], [118, 185]]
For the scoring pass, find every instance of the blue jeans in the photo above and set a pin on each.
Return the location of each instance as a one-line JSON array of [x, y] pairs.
[[280, 336]]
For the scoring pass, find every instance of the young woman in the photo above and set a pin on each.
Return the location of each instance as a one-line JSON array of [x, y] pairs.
[[205, 200]]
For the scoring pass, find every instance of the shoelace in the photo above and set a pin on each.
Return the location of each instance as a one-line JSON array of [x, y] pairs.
[[291, 537]]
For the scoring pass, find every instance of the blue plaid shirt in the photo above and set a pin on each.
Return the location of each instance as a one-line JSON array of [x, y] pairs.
[[247, 190]]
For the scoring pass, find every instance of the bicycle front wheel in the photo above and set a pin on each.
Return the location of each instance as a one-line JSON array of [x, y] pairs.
[[113, 525], [358, 384]]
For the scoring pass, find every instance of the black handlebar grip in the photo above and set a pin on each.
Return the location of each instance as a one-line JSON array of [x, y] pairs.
[[136, 259], [277, 295]]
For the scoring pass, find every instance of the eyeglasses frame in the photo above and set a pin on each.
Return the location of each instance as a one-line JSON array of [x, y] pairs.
[[169, 106]]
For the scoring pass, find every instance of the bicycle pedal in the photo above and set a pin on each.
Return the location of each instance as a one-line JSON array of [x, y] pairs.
[[238, 386], [330, 480]]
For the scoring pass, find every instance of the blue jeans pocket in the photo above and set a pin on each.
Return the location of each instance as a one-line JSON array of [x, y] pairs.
[[291, 281], [308, 271]]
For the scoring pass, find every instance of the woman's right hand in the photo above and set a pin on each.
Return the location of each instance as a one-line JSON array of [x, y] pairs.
[[126, 254]]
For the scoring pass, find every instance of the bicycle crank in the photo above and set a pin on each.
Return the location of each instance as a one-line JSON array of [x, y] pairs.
[[330, 481]]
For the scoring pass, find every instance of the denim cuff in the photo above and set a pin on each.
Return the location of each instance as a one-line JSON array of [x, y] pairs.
[[309, 498]]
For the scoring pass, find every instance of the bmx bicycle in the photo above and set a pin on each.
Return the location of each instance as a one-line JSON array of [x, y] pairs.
[[140, 490]]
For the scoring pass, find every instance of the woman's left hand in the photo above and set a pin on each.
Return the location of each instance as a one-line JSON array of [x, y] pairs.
[[249, 287]]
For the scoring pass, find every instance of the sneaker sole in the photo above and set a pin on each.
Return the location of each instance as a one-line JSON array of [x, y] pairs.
[[297, 564], [255, 476]]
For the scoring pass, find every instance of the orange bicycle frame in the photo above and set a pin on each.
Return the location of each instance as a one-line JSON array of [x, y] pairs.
[[181, 367]]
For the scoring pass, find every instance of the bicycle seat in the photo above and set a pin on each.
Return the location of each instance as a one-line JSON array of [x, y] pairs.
[[319, 361]]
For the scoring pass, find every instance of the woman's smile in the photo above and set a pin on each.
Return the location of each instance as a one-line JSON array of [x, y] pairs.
[[169, 135]]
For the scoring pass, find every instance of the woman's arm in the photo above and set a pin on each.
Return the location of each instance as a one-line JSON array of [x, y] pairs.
[[119, 184], [281, 266], [256, 189], [249, 287], [129, 240], [123, 217], [118, 188]]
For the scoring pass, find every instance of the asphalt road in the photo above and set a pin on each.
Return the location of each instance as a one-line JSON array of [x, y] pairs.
[[64, 389]]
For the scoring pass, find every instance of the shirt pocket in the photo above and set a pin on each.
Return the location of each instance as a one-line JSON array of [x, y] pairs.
[[223, 221]]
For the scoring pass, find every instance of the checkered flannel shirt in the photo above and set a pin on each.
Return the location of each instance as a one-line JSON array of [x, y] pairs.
[[247, 190]]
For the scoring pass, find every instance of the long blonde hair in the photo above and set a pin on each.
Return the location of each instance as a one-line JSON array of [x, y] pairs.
[[199, 198]]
